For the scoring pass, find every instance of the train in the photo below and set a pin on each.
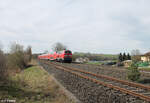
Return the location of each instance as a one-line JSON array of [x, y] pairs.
[[60, 56]]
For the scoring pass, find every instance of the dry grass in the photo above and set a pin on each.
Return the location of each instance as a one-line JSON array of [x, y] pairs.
[[145, 69], [33, 85]]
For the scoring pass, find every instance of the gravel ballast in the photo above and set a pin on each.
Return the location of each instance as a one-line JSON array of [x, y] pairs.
[[87, 91], [117, 72]]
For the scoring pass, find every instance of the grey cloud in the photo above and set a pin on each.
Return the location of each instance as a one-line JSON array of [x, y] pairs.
[[106, 26]]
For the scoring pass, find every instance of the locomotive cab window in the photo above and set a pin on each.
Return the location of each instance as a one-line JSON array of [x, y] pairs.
[[69, 52]]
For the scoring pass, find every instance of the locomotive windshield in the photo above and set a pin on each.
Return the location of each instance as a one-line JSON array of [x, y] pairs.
[[68, 52]]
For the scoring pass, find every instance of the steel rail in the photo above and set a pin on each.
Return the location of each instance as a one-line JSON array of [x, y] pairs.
[[141, 96], [109, 78]]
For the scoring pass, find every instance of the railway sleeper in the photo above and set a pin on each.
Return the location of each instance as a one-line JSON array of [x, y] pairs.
[[131, 88], [147, 93], [139, 91]]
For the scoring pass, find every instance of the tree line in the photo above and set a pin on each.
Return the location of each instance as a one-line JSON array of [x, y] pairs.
[[95, 57], [124, 56]]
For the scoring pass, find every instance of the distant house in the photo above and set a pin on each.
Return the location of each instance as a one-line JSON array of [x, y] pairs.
[[145, 57], [82, 60], [127, 63]]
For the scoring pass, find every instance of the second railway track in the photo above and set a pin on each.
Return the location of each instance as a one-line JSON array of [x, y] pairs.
[[134, 89]]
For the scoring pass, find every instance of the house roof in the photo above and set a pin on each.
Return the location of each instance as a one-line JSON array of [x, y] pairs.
[[147, 54]]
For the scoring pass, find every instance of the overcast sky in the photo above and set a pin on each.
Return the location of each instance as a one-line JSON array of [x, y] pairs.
[[98, 26]]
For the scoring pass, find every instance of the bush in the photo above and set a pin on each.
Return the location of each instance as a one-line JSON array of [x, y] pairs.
[[18, 57], [133, 73], [17, 60], [3, 67]]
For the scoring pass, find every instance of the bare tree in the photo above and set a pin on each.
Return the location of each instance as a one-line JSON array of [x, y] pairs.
[[16, 48], [29, 53], [135, 52], [17, 56], [1, 46], [58, 47], [136, 55], [46, 51]]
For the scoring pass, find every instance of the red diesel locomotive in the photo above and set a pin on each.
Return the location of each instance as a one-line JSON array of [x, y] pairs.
[[62, 56]]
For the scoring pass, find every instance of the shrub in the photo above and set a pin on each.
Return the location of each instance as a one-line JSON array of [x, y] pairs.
[[133, 73], [18, 57], [16, 60], [3, 67]]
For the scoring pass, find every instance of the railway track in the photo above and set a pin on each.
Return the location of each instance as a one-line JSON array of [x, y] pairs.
[[134, 89]]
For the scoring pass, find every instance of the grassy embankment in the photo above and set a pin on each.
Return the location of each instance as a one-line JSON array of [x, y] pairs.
[[145, 69], [33, 85], [95, 63]]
